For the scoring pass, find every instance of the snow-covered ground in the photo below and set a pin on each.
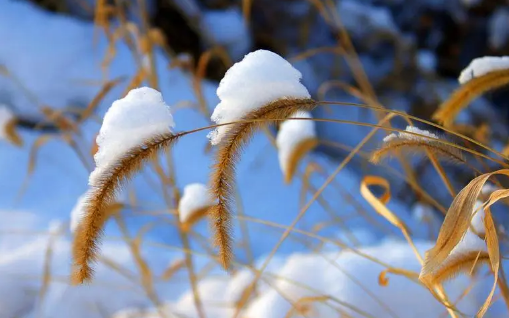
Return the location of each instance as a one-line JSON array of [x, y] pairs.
[[54, 62]]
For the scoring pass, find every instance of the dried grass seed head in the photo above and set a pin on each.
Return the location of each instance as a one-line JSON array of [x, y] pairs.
[[134, 130], [259, 79], [140, 115]]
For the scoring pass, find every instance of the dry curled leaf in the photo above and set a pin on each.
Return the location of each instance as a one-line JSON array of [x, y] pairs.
[[455, 227], [382, 278], [379, 203]]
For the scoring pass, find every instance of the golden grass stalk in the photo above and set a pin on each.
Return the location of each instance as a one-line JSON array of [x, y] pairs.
[[172, 269], [417, 146], [304, 306], [100, 197], [298, 152], [194, 218], [12, 133], [222, 179], [449, 109]]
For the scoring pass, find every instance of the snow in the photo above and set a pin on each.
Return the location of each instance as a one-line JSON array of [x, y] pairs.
[[196, 197], [141, 115], [6, 116], [69, 73], [305, 274], [260, 78], [291, 133], [227, 27], [411, 129], [482, 66]]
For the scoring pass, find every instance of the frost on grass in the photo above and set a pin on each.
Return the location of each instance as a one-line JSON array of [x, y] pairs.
[[194, 203], [130, 121], [260, 78], [482, 66], [411, 129], [291, 136]]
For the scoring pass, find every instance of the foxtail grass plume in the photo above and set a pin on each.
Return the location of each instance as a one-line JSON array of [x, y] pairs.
[[260, 89], [481, 75], [294, 140], [194, 204], [416, 141], [134, 130]]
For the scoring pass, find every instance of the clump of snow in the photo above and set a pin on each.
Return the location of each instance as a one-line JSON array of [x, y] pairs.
[[260, 78], [196, 197], [227, 27], [6, 116], [291, 134], [482, 66], [411, 129], [130, 121]]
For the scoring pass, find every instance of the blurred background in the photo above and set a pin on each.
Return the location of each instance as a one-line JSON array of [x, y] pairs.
[[63, 62]]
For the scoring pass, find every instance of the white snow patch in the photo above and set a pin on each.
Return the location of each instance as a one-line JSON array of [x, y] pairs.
[[411, 129], [260, 78], [130, 121], [482, 66], [196, 196], [291, 134], [306, 274]]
